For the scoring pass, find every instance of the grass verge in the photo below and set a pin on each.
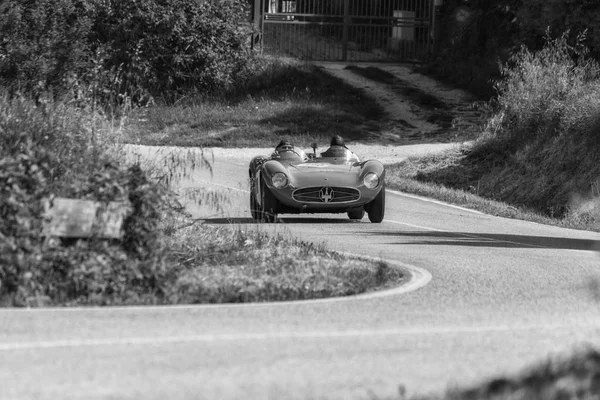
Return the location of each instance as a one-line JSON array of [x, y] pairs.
[[441, 176], [285, 98], [572, 376], [538, 151], [235, 264], [451, 177]]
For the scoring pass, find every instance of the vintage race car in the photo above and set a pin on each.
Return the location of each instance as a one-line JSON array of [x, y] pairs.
[[290, 181]]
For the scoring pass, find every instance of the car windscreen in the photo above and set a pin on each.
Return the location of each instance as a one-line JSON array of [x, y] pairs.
[[290, 157], [349, 159]]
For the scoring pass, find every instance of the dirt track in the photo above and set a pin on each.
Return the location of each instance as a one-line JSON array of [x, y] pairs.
[[419, 109]]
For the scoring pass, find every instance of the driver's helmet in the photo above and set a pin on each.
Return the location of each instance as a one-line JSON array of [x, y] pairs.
[[337, 140], [284, 145]]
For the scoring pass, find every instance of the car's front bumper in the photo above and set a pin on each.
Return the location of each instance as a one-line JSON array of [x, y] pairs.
[[324, 199]]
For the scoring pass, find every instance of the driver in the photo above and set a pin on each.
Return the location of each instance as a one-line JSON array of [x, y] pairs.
[[287, 151], [284, 145], [337, 148]]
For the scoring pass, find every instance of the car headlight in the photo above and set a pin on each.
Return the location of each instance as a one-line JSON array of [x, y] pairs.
[[371, 180], [279, 180]]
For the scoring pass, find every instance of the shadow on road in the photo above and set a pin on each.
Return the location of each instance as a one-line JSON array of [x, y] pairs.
[[287, 220], [490, 240]]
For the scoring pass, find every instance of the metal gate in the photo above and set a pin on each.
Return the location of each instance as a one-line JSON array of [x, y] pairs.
[[349, 30]]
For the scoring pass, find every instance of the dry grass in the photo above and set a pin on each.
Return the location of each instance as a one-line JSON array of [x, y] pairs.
[[284, 98], [234, 264], [537, 156], [449, 177]]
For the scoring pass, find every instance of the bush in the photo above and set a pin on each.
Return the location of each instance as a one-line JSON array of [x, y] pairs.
[[470, 51], [46, 151], [43, 42], [540, 88], [535, 17], [116, 50], [541, 146]]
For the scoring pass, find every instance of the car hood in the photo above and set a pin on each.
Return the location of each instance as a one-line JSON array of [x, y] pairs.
[[323, 174]]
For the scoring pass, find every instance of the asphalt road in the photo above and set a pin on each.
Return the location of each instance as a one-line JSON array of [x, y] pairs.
[[502, 294]]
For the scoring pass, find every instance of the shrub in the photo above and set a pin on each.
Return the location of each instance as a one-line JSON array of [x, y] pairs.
[[539, 89], [43, 42], [116, 50], [535, 17], [174, 45], [46, 150], [541, 146]]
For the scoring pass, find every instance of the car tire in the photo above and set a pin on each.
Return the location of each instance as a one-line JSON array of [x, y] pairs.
[[356, 214], [254, 210], [376, 209], [268, 205]]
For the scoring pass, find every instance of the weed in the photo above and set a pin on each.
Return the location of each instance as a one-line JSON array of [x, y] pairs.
[[539, 149]]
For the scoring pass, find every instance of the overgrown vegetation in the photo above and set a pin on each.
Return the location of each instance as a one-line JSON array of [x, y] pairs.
[[220, 264], [539, 148], [123, 50], [74, 71], [471, 51], [49, 151], [284, 97]]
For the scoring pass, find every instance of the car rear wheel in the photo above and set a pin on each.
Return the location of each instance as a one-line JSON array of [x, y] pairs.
[[268, 205], [377, 207], [356, 214]]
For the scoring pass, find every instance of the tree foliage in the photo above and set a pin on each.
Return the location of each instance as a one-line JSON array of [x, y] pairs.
[[471, 51], [141, 47]]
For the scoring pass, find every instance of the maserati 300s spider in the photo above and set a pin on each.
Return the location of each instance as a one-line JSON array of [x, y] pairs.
[[290, 181]]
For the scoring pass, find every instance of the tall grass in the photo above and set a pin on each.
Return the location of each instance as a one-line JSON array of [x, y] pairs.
[[540, 148], [245, 264], [546, 93], [50, 150], [283, 97]]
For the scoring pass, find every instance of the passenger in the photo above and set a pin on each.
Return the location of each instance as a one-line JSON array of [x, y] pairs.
[[338, 149]]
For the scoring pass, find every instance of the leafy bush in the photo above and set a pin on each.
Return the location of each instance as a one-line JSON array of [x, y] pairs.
[[540, 88], [122, 49], [535, 17], [45, 151], [541, 147], [43, 42], [470, 52]]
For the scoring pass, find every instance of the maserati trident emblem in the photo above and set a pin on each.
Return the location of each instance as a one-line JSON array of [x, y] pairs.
[[326, 194]]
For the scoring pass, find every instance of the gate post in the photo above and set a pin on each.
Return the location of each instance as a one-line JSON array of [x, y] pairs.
[[345, 30], [436, 16], [257, 21]]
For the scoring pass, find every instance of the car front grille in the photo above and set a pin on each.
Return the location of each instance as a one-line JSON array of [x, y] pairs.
[[326, 194]]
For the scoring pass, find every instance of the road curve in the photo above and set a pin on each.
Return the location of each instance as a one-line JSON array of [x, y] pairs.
[[503, 293]]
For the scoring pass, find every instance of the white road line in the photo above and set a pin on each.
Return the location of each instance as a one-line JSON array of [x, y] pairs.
[[425, 199], [419, 278], [263, 336]]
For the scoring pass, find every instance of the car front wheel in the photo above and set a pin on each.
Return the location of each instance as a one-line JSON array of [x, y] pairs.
[[268, 205], [377, 207], [254, 210]]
